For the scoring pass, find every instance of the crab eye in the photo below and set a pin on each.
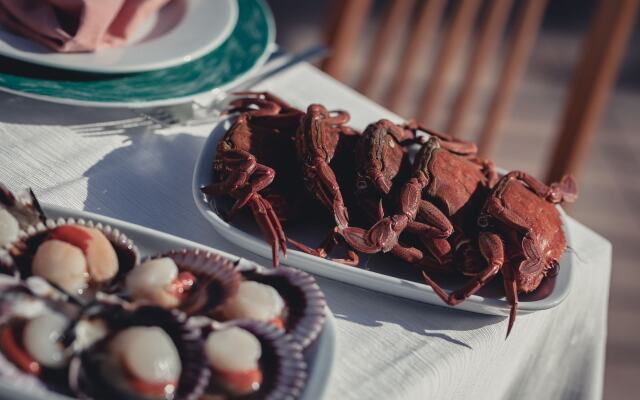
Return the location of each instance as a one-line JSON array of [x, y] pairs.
[[433, 142], [483, 221], [361, 184]]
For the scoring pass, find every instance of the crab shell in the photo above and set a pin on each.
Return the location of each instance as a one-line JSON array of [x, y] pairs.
[[304, 301], [24, 251], [281, 363], [216, 279], [544, 222], [87, 379], [18, 301]]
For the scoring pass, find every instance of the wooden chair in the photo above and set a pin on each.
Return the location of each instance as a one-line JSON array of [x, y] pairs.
[[593, 76]]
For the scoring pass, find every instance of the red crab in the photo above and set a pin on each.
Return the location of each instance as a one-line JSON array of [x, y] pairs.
[[323, 134], [381, 156], [258, 145], [520, 235], [446, 188]]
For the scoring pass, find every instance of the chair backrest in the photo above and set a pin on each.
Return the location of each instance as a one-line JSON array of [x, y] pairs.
[[594, 74]]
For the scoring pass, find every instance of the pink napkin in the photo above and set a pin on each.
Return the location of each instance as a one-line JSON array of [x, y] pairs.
[[77, 25]]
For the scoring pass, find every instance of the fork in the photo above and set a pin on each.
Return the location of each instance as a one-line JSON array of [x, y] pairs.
[[197, 112]]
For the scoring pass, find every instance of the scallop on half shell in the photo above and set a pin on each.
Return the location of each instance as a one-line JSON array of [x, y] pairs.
[[34, 351], [194, 281], [288, 298], [145, 352], [252, 359], [79, 257]]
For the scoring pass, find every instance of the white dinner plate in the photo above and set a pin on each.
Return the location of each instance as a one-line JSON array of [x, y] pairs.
[[242, 53], [319, 357], [378, 272], [180, 32]]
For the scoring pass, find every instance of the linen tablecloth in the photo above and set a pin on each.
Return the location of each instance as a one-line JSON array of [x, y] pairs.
[[388, 347]]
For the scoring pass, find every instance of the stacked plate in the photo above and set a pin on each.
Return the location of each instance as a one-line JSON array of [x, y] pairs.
[[188, 48]]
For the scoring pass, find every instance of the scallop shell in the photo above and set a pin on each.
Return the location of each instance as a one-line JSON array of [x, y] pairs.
[[11, 292], [283, 368], [7, 266], [304, 299], [23, 206], [86, 380], [217, 279], [23, 251]]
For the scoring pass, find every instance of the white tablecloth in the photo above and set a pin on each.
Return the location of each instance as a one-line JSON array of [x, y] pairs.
[[387, 347]]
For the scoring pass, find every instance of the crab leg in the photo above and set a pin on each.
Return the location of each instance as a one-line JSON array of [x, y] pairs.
[[246, 177], [352, 259], [328, 192], [266, 110], [261, 178], [240, 164], [511, 291], [329, 244], [383, 235], [492, 250], [440, 249], [460, 147], [307, 249], [489, 170], [565, 190], [326, 247], [269, 225], [433, 222]]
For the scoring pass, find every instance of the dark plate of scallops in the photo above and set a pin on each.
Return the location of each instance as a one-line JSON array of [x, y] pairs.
[[96, 308]]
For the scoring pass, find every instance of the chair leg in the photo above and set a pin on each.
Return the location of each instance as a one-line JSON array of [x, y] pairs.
[[594, 77], [485, 48], [392, 25], [519, 48], [347, 21], [452, 44], [420, 40]]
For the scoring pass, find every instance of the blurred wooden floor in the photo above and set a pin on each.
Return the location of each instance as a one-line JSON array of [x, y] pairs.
[[609, 185]]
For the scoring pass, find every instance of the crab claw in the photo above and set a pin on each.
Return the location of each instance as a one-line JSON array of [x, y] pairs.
[[357, 239], [566, 189], [382, 183], [386, 232], [383, 236]]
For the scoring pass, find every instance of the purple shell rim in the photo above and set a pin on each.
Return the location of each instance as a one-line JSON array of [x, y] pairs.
[[308, 328], [292, 374], [16, 249], [24, 206], [9, 372], [195, 375], [206, 263]]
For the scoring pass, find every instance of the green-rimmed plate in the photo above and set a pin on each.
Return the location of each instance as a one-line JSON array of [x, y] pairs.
[[246, 49]]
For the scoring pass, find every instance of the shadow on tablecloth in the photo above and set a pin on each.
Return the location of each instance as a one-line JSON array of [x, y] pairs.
[[152, 172], [373, 309]]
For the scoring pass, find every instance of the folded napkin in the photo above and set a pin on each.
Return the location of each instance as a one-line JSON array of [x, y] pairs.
[[77, 25]]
